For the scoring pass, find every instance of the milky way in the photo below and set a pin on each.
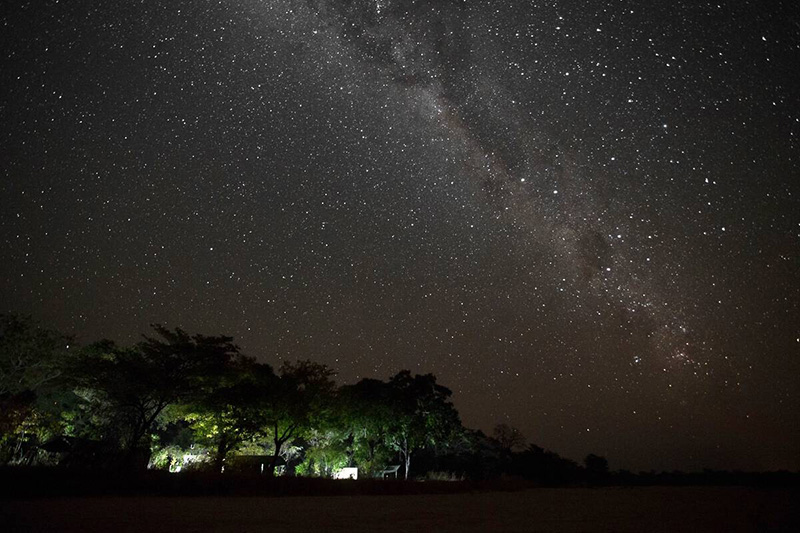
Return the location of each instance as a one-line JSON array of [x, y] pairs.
[[583, 219]]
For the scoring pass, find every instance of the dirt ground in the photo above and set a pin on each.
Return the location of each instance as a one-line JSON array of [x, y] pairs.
[[652, 509]]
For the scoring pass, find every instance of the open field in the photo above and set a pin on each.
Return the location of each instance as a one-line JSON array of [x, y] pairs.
[[651, 509]]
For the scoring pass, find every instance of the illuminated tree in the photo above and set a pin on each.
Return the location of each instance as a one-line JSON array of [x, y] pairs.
[[327, 452], [367, 411], [226, 412], [128, 388], [422, 415], [301, 400]]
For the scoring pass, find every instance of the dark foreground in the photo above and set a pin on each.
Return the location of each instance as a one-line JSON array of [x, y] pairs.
[[650, 509]]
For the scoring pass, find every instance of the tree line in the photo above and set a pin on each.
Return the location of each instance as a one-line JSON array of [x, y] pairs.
[[175, 395]]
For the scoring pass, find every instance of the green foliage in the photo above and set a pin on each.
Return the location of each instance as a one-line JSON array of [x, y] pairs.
[[174, 391], [257, 445], [171, 441], [402, 416], [366, 409], [228, 412], [326, 455], [300, 402], [423, 415], [167, 458], [125, 390], [26, 427], [31, 359]]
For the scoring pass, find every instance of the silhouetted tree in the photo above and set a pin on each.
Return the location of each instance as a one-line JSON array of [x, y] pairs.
[[29, 354], [486, 459], [545, 467], [596, 468], [509, 438]]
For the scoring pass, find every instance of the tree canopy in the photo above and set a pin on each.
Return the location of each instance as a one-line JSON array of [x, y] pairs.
[[197, 401], [126, 389]]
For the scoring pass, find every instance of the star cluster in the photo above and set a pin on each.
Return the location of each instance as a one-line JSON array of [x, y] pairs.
[[582, 219]]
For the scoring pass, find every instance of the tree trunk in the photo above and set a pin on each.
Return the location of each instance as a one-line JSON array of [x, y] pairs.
[[270, 470], [133, 452], [219, 456], [407, 456], [274, 462]]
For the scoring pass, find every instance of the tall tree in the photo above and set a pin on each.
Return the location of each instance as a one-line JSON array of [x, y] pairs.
[[509, 437], [227, 411], [596, 468], [31, 359], [301, 399], [368, 412], [135, 385], [423, 414], [30, 355]]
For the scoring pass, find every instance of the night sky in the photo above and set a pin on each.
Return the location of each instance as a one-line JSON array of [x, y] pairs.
[[583, 219]]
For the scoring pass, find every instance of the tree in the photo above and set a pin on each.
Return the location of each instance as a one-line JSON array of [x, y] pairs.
[[29, 354], [327, 451], [544, 466], [133, 386], [30, 363], [509, 437], [367, 410], [226, 413], [596, 468], [422, 416], [301, 399]]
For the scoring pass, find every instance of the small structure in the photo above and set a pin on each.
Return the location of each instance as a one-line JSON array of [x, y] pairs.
[[388, 471], [349, 472]]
